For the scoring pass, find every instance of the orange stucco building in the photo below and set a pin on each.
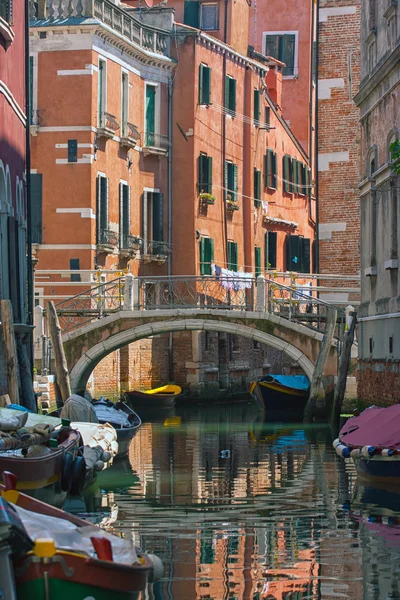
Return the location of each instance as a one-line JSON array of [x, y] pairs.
[[159, 145]]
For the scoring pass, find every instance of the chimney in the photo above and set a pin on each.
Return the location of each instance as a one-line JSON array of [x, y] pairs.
[[274, 86]]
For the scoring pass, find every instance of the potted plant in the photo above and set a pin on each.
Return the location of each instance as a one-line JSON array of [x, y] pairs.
[[207, 198], [231, 203]]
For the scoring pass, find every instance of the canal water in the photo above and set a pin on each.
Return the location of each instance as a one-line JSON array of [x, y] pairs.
[[241, 509]]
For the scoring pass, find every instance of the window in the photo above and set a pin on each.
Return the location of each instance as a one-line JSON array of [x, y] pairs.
[[151, 126], [232, 256], [298, 254], [124, 103], [204, 84], [153, 221], [6, 12], [257, 261], [297, 171], [256, 107], [230, 94], [270, 169], [74, 266], [287, 174], [270, 249], [372, 14], [267, 116], [257, 187], [206, 255], [283, 46], [72, 151], [124, 214], [36, 202], [102, 92], [231, 183], [372, 164], [102, 209], [371, 54], [391, 344], [205, 174], [191, 13], [209, 16]]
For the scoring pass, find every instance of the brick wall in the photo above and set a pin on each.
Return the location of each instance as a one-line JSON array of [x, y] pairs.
[[338, 134], [379, 381]]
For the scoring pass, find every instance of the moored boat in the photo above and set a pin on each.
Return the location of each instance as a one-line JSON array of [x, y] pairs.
[[74, 559], [124, 420], [163, 397], [281, 396], [372, 441]]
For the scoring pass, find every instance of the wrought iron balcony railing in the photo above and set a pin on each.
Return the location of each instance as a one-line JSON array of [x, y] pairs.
[[156, 248], [155, 143], [108, 125], [129, 135], [130, 244], [151, 39], [107, 240]]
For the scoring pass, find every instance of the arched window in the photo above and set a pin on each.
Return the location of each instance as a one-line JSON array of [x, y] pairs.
[[372, 161]]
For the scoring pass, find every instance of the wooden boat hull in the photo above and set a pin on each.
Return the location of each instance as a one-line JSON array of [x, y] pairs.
[[40, 476], [379, 469], [138, 399], [278, 401]]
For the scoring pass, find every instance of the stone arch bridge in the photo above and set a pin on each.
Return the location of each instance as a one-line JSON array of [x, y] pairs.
[[87, 346]]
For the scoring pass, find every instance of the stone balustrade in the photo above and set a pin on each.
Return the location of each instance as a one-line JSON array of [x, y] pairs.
[[147, 37]]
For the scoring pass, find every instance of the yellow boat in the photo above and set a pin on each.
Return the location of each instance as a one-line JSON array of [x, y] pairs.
[[161, 397]]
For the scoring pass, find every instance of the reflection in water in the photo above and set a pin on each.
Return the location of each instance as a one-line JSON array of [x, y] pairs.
[[242, 509]]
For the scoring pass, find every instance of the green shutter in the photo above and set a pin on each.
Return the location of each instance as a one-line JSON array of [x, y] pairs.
[[191, 13], [125, 210], [285, 173], [274, 169], [102, 217], [158, 218], [207, 85], [150, 114], [305, 255], [232, 256], [31, 90], [257, 260], [206, 255], [202, 170], [272, 46], [235, 254], [293, 253], [36, 208], [257, 187], [235, 183], [295, 186], [232, 95], [257, 108], [202, 252], [209, 174], [288, 53], [211, 252], [226, 187], [201, 84], [270, 179], [308, 181], [270, 249], [227, 88]]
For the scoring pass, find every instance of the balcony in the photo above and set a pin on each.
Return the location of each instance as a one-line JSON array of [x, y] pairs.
[[151, 40], [156, 251], [130, 135], [107, 241], [129, 245], [232, 205], [108, 126], [155, 143]]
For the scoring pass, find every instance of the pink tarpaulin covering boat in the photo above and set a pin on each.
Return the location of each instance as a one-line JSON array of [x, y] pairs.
[[379, 427]]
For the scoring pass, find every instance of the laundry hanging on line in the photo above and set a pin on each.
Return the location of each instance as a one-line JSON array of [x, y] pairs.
[[232, 280]]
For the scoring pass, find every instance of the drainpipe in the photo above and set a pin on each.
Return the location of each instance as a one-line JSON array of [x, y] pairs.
[[224, 132], [29, 266], [316, 144], [171, 337]]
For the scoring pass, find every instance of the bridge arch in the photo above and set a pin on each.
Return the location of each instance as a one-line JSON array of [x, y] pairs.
[[83, 367]]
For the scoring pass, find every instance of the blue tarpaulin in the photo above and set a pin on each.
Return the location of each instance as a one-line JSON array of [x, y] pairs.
[[297, 382]]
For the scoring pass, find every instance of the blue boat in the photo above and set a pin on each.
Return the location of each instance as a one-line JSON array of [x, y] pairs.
[[281, 396]]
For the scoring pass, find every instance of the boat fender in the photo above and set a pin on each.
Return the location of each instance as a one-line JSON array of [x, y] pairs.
[[99, 465], [387, 452], [355, 452], [343, 451], [336, 443], [106, 456], [66, 472], [78, 476], [157, 570], [368, 451]]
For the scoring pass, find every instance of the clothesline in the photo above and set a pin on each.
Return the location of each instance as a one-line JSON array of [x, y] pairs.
[[232, 280]]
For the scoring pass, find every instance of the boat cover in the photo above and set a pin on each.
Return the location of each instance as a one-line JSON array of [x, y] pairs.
[[110, 414], [297, 382], [375, 426]]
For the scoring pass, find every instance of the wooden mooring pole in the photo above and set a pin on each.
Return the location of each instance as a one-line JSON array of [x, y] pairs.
[[61, 366], [320, 365], [344, 360], [10, 350]]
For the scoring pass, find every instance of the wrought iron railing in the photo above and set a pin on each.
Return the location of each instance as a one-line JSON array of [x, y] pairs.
[[131, 243], [301, 307], [108, 122], [108, 238], [151, 39], [130, 131], [156, 248], [92, 304], [156, 140], [195, 292]]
